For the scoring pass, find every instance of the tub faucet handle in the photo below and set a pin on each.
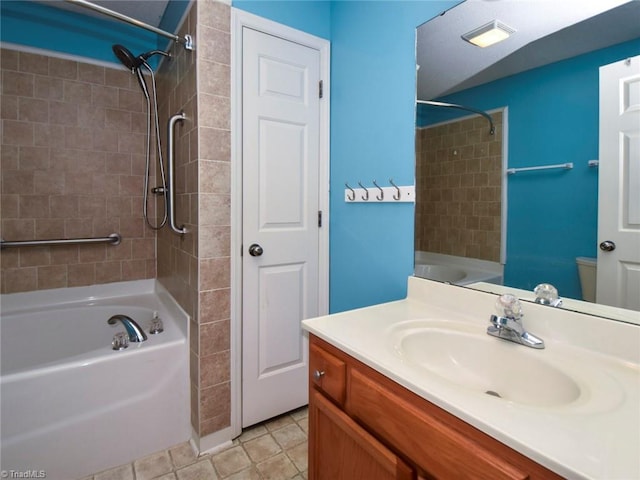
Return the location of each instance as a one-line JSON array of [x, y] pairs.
[[156, 325], [120, 341]]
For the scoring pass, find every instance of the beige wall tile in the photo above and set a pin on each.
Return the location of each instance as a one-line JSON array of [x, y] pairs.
[[17, 83], [55, 174], [215, 401], [53, 276], [17, 133], [214, 369], [59, 67], [458, 186]]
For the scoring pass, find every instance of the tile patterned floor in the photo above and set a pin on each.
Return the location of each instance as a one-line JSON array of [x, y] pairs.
[[273, 450]]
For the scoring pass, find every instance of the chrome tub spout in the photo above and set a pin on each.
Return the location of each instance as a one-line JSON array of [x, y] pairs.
[[136, 334]]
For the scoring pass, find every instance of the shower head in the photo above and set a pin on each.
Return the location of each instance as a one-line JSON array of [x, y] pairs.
[[127, 58]]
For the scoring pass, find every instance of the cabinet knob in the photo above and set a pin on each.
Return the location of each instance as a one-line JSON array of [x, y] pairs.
[[318, 374]]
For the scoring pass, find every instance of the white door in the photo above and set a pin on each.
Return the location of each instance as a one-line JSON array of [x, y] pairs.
[[280, 171], [618, 281]]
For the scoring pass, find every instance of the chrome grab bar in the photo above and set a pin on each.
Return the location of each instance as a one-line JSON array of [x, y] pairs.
[[113, 239], [171, 194]]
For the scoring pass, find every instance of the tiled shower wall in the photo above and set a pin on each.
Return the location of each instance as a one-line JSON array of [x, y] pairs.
[[73, 158], [195, 267], [459, 188]]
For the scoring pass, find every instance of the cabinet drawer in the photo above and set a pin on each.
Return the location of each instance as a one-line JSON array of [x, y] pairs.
[[327, 372], [430, 444]]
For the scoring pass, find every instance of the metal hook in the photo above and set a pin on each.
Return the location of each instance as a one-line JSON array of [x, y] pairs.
[[366, 196], [395, 197], [353, 197], [381, 196]]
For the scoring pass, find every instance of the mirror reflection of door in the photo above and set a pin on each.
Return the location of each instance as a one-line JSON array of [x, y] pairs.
[[618, 272]]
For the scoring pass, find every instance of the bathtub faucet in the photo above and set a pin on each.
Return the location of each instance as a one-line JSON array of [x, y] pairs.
[[136, 334]]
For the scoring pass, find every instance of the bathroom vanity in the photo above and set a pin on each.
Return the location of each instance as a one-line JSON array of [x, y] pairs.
[[416, 389]]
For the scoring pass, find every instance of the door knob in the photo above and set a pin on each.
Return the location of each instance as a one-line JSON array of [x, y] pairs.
[[255, 250], [607, 246]]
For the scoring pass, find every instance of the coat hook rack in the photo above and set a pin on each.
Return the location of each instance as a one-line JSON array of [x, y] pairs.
[[393, 194]]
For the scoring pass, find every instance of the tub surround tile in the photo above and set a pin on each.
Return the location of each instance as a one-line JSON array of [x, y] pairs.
[[458, 190], [214, 369], [55, 170], [212, 425], [214, 337]]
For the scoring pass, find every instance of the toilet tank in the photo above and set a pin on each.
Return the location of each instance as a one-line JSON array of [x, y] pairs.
[[587, 271]]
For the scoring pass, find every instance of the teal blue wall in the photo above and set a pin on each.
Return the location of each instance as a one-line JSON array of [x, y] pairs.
[[310, 16], [41, 26], [373, 81], [373, 72], [553, 118]]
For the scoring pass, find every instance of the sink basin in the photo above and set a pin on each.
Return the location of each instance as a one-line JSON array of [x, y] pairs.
[[467, 357]]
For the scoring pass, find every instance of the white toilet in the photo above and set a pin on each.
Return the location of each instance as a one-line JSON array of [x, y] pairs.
[[587, 271]]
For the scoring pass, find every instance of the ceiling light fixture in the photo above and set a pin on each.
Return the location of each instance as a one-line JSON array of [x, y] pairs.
[[486, 35]]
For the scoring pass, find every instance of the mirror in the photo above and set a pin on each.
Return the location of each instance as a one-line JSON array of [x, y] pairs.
[[476, 224]]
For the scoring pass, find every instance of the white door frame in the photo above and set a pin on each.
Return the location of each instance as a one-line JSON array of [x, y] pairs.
[[239, 20]]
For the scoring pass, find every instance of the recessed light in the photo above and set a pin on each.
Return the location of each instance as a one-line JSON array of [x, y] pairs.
[[489, 34]]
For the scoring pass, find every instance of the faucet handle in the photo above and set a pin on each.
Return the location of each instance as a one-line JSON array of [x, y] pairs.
[[120, 341], [509, 306], [547, 294]]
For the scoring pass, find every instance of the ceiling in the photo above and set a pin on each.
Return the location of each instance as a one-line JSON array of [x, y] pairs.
[[546, 31], [147, 11]]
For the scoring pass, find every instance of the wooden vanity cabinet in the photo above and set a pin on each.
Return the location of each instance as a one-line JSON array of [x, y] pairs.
[[362, 425]]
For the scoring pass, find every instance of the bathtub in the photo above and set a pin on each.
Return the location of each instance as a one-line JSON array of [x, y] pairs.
[[456, 270], [70, 404]]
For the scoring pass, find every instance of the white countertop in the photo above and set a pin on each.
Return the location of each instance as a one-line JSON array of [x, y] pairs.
[[596, 436]]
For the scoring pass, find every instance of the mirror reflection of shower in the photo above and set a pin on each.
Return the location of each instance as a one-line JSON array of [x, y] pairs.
[[134, 64]]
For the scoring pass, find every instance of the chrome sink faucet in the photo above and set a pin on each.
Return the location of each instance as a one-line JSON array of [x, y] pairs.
[[136, 334], [508, 323]]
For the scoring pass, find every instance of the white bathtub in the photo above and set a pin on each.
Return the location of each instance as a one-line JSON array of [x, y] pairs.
[[456, 270], [70, 404]]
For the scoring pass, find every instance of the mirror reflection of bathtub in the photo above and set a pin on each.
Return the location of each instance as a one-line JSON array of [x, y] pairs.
[[456, 270]]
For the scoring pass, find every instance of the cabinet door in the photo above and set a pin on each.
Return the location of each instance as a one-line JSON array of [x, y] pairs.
[[437, 448], [339, 449]]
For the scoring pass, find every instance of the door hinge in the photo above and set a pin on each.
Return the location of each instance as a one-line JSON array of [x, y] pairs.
[[319, 218], [320, 86]]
